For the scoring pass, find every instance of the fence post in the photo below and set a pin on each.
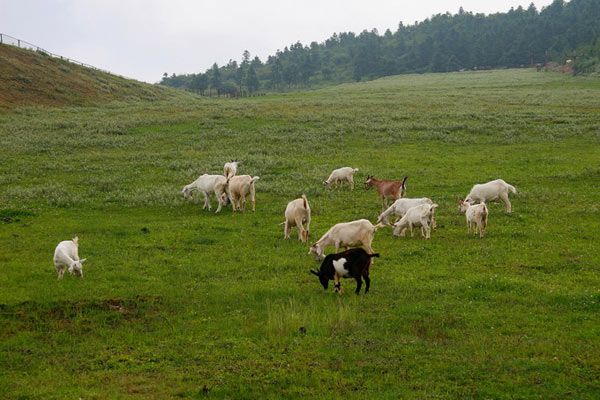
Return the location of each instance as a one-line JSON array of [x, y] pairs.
[[0, 38], [574, 63], [18, 42]]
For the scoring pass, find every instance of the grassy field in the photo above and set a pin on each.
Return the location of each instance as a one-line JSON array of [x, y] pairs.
[[178, 302]]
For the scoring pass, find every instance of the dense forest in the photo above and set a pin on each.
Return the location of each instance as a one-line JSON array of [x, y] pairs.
[[442, 43]]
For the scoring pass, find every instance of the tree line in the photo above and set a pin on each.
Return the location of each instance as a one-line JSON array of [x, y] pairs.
[[443, 43]]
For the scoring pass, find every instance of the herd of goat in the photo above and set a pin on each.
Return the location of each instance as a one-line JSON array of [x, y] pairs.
[[350, 263]]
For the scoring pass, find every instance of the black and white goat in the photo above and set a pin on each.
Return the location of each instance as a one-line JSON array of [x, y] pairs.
[[353, 263]]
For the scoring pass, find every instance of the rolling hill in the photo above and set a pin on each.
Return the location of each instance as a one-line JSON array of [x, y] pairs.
[[30, 78]]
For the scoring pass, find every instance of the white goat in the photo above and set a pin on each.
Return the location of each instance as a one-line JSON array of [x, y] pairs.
[[207, 184], [66, 256], [230, 168], [491, 191], [238, 187], [401, 206], [297, 213], [477, 216], [339, 175], [416, 216], [346, 234]]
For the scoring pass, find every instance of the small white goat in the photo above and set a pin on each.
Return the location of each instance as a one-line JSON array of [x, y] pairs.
[[207, 184], [66, 256], [339, 175], [297, 213], [401, 206], [230, 168], [491, 191], [477, 216], [238, 187], [346, 234], [415, 217]]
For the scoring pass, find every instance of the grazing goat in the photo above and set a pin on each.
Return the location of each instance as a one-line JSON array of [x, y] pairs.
[[339, 175], [297, 213], [477, 216], [66, 256], [353, 263], [346, 234], [401, 206], [207, 184], [416, 216], [387, 189], [491, 191], [230, 168], [237, 188]]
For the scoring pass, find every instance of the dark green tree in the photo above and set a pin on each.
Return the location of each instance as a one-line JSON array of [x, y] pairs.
[[215, 79], [252, 82]]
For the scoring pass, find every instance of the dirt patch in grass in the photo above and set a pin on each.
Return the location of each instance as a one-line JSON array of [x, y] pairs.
[[111, 310]]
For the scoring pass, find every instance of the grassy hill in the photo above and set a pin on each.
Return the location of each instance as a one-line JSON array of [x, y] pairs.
[[179, 302], [30, 78]]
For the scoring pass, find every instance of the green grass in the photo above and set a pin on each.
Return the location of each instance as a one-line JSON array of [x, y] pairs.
[[177, 302]]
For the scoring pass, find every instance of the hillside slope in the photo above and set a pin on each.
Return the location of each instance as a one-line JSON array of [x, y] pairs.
[[32, 78]]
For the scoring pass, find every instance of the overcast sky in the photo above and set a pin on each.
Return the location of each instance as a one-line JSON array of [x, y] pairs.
[[142, 39]]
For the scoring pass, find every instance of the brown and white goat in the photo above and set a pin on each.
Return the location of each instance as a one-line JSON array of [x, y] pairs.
[[388, 190], [297, 213], [477, 216], [353, 263], [237, 188]]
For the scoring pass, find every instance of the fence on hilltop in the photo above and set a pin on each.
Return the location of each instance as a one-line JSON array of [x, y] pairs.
[[13, 41]]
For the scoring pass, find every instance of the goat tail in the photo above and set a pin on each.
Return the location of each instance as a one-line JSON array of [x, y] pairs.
[[254, 179], [373, 255], [511, 188], [484, 215], [379, 225], [305, 201], [281, 224], [404, 180], [76, 241]]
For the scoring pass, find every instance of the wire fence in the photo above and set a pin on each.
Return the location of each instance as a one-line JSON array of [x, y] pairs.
[[13, 41]]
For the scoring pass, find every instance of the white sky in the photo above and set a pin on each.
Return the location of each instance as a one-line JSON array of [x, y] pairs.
[[142, 39]]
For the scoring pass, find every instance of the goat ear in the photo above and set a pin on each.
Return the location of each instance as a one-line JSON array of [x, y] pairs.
[[82, 260]]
